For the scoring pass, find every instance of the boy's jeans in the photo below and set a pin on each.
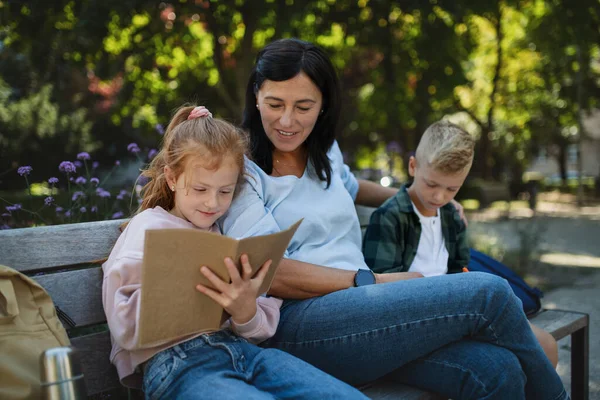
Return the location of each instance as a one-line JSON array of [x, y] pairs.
[[462, 335], [224, 366]]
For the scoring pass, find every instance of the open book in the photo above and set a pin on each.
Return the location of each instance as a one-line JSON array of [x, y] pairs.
[[170, 305]]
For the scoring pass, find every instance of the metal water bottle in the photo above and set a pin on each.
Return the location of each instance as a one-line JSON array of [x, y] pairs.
[[61, 375]]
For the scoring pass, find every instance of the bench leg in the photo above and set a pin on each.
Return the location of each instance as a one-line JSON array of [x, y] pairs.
[[580, 346]]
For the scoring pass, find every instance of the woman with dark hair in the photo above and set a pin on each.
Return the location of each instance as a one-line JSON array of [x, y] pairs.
[[464, 335]]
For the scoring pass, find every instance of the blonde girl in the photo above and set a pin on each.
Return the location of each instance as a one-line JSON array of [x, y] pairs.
[[192, 183]]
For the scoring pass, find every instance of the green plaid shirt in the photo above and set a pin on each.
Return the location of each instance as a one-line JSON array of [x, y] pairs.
[[392, 237]]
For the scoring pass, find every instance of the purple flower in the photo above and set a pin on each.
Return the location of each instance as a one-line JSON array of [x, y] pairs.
[[25, 170], [142, 180], [83, 156], [102, 193], [77, 195], [160, 129], [133, 148], [59, 210], [95, 181], [152, 153], [68, 214], [49, 200], [117, 163], [94, 209], [78, 164], [7, 215], [4, 227], [53, 180], [82, 210], [118, 215], [95, 164], [122, 194], [67, 167], [14, 207], [80, 180]]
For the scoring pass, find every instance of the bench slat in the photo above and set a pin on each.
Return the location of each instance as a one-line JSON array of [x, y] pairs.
[[364, 215], [29, 249], [560, 323], [78, 293], [100, 375]]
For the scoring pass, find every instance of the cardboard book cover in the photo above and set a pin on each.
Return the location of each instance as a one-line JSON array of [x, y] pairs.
[[170, 305]]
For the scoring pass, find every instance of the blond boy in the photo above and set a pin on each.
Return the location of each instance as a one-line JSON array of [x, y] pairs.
[[418, 230]]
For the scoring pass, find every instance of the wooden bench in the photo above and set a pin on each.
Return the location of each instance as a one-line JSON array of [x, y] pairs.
[[61, 259]]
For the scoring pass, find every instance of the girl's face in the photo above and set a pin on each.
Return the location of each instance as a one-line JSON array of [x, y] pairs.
[[209, 192], [289, 110]]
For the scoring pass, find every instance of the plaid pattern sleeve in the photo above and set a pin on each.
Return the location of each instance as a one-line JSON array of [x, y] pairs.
[[383, 245]]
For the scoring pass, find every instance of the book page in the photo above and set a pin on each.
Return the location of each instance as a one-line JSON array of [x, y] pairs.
[[170, 305], [262, 248]]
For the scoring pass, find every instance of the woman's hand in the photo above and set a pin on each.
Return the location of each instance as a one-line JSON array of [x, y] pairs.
[[396, 276], [238, 298], [461, 211]]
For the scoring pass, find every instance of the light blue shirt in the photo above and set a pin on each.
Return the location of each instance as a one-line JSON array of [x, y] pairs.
[[330, 233]]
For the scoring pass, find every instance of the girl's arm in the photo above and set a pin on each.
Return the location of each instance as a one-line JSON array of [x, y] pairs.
[[264, 323], [253, 317], [121, 290]]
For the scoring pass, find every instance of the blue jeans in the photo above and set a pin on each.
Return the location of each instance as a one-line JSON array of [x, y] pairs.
[[464, 336], [224, 366]]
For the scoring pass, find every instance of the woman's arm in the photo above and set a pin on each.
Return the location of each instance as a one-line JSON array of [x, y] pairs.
[[372, 194], [300, 280]]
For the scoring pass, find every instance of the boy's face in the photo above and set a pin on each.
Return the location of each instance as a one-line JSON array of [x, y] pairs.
[[431, 188]]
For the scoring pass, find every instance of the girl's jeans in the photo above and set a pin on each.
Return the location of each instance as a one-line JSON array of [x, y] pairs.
[[224, 366], [464, 336]]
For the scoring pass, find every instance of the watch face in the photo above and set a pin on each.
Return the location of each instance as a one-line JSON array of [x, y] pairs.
[[364, 277]]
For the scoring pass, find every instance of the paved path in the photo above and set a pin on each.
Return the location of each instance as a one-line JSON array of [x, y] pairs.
[[568, 236]]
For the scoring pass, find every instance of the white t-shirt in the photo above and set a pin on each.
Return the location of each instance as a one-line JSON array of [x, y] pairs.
[[432, 255], [330, 233]]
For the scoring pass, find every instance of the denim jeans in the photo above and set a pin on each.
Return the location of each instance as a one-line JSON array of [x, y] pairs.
[[222, 365], [464, 336]]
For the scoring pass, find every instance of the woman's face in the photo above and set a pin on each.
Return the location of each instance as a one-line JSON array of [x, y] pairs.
[[289, 110]]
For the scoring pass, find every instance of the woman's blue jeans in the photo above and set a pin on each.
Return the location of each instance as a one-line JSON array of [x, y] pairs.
[[224, 366], [464, 336]]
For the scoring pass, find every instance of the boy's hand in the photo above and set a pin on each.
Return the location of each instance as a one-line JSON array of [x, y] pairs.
[[396, 276], [461, 211], [238, 298]]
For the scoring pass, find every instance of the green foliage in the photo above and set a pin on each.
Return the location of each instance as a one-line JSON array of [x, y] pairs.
[[511, 71]]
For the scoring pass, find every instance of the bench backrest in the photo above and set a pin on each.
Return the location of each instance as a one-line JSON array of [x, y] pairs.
[[61, 258]]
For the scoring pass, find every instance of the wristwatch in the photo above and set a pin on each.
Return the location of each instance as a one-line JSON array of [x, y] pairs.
[[364, 277]]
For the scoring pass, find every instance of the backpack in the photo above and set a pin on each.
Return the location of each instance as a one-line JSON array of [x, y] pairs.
[[530, 297], [28, 326]]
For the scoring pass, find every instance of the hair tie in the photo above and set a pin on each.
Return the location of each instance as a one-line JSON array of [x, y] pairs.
[[199, 112]]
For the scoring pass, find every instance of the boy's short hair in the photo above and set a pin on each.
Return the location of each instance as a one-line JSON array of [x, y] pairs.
[[446, 147]]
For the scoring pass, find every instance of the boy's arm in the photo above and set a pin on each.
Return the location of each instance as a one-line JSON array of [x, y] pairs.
[[383, 244]]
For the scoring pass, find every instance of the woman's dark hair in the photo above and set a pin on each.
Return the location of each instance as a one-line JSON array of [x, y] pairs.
[[282, 60]]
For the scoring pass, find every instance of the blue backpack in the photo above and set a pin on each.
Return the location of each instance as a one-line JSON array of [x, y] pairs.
[[528, 295]]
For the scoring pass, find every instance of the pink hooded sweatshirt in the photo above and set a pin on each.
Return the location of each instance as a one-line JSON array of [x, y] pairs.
[[121, 296]]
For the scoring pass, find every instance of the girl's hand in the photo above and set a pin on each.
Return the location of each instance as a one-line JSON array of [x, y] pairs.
[[238, 298]]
